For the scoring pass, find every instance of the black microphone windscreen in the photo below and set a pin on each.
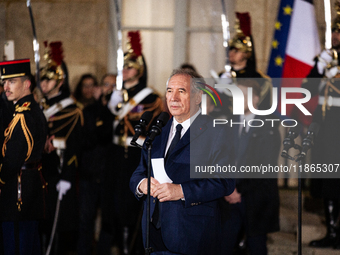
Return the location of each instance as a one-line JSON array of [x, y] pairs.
[[314, 128], [295, 130], [147, 116], [163, 117]]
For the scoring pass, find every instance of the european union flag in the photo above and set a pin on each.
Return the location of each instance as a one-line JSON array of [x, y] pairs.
[[279, 42]]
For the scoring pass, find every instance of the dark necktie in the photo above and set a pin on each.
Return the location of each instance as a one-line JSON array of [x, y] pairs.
[[174, 141], [243, 132]]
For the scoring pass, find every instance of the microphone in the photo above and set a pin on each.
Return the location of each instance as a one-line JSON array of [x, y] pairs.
[[157, 128], [140, 127], [308, 142], [288, 142]]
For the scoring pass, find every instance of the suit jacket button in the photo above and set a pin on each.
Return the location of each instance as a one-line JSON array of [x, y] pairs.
[[154, 201]]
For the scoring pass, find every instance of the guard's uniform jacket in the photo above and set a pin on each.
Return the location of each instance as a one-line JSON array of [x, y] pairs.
[[22, 184], [327, 143], [265, 83], [6, 115], [65, 123], [125, 159], [97, 132], [249, 72]]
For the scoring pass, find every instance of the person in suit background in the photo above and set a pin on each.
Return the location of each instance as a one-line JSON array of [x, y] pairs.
[[93, 162], [185, 213], [253, 208]]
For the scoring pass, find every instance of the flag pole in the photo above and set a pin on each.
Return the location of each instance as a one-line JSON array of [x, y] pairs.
[[120, 53], [328, 33], [35, 45], [226, 37]]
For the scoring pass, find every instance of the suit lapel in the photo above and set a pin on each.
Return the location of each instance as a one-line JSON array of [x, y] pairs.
[[165, 136], [195, 130], [243, 144]]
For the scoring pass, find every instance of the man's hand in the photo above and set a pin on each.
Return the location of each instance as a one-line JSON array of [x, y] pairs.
[[48, 144], [167, 192], [328, 63], [62, 187], [233, 198], [116, 98], [143, 187]]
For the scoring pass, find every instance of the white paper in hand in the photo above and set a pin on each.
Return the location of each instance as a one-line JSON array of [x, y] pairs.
[[159, 171]]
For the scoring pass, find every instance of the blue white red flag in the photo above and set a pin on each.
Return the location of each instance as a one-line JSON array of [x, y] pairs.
[[294, 47]]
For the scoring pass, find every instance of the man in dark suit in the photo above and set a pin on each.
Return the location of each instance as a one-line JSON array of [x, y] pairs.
[[253, 208], [185, 214]]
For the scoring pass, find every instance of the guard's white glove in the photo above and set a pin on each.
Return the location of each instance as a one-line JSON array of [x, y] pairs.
[[225, 79], [116, 98], [331, 72], [63, 186], [326, 59]]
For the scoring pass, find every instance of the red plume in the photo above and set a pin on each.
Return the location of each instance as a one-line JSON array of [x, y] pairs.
[[56, 52], [245, 25], [136, 46]]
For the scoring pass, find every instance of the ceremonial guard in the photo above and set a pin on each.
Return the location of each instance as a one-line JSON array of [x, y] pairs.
[[65, 120], [241, 55], [22, 187], [252, 210], [128, 105], [323, 80]]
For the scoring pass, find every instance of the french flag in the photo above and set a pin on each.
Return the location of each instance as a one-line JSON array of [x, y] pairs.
[[294, 47]]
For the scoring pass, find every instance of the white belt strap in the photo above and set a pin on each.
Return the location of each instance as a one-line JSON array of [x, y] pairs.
[[117, 141], [58, 107], [132, 104], [331, 101]]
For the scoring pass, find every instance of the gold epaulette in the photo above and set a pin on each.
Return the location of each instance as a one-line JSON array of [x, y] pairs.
[[156, 107], [9, 130], [80, 105], [264, 75], [24, 107], [266, 87]]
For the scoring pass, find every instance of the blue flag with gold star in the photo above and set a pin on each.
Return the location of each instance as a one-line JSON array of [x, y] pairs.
[[282, 24]]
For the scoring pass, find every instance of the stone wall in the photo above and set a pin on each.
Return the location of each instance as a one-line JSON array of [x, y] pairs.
[[83, 26], [80, 25]]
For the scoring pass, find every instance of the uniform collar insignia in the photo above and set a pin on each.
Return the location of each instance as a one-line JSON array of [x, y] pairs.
[[24, 107]]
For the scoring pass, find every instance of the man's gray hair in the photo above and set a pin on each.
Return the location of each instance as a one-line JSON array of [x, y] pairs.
[[196, 80]]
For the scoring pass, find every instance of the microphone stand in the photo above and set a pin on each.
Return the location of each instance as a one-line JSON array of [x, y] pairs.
[[300, 160], [155, 130], [148, 249]]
